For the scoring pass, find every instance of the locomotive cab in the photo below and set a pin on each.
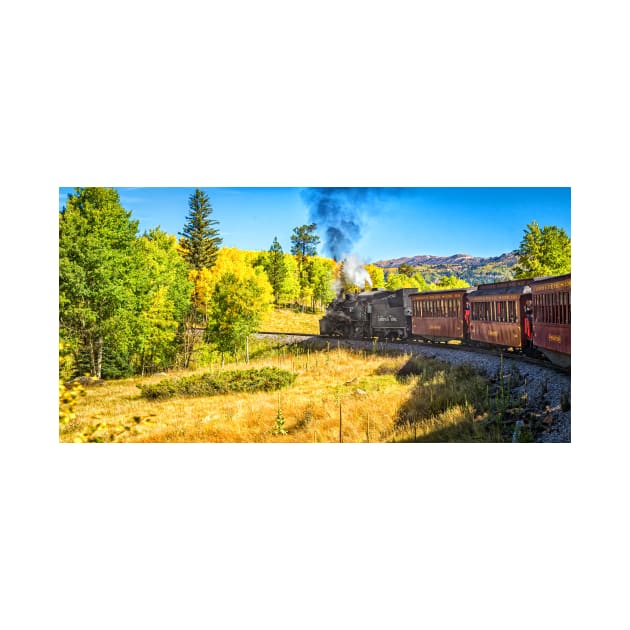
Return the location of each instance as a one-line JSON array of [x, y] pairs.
[[391, 314]]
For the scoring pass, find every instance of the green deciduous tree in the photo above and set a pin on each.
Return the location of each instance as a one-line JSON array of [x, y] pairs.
[[543, 252], [403, 281], [200, 238], [164, 300], [237, 296], [98, 268], [241, 295], [377, 275], [322, 276], [156, 330], [451, 282], [290, 289]]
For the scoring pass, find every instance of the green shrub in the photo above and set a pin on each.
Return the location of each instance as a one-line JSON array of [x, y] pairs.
[[252, 380]]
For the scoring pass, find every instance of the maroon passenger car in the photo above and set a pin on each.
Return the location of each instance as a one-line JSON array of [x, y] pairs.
[[439, 315], [499, 312], [552, 318]]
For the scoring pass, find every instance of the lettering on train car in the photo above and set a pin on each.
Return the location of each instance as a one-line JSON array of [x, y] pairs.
[[564, 284], [492, 298], [386, 318]]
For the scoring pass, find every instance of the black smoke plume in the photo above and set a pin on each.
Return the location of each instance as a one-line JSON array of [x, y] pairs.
[[339, 214]]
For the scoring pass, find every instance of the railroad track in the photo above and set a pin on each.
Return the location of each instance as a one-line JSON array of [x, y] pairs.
[[391, 344]]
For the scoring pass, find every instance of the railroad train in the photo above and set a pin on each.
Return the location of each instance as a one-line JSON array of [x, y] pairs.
[[531, 316]]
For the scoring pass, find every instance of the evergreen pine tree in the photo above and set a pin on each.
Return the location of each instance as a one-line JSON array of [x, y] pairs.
[[305, 243], [200, 240], [276, 268]]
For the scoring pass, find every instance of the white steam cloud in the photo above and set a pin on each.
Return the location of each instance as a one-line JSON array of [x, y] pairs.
[[354, 272]]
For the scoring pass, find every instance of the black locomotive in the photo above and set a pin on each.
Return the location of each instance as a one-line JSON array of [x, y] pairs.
[[378, 313]]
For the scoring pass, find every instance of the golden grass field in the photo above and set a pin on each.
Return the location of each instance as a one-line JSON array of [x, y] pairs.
[[361, 386], [310, 406], [359, 390], [287, 321]]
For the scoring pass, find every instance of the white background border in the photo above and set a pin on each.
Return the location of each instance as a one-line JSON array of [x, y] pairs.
[[327, 94]]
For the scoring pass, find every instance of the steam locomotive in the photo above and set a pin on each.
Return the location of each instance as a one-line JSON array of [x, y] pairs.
[[529, 315]]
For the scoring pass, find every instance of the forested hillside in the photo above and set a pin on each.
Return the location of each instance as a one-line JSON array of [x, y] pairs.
[[472, 270]]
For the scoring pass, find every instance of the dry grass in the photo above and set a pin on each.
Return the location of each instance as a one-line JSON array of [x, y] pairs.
[[375, 403], [378, 400], [286, 320], [362, 385]]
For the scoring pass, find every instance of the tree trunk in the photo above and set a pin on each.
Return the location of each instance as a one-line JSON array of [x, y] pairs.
[[186, 356], [99, 362], [189, 340], [92, 358]]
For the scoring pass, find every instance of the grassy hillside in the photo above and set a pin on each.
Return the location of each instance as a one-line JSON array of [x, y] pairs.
[[286, 320]]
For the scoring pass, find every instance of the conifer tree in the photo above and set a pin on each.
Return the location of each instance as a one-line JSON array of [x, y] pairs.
[[305, 243], [276, 268], [200, 240]]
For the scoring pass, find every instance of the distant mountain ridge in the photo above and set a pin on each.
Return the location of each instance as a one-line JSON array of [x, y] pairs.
[[474, 270]]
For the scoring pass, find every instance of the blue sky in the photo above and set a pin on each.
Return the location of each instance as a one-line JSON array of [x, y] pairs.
[[380, 223]]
